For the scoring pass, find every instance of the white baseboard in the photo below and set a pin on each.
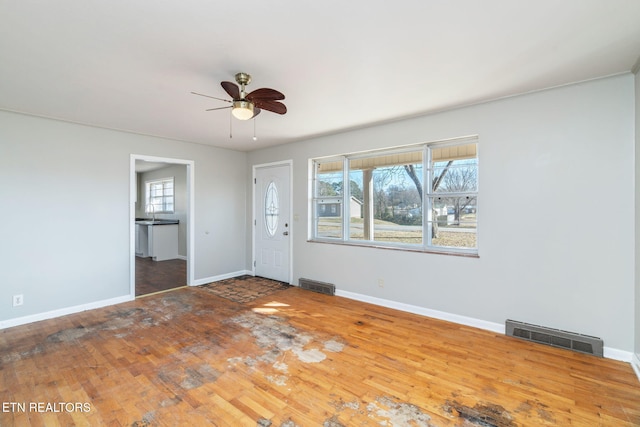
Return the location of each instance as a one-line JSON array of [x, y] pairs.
[[635, 364], [63, 311], [455, 318], [617, 354], [206, 280], [610, 353]]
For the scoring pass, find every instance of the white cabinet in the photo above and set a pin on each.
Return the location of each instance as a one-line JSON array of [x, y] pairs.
[[142, 240], [163, 241], [159, 241]]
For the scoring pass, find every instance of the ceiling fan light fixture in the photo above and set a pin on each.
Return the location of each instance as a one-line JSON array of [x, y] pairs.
[[242, 110]]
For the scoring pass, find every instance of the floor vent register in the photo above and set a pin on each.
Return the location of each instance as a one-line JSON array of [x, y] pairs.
[[316, 286], [556, 337]]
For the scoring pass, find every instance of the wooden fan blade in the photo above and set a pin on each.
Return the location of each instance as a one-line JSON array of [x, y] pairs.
[[256, 111], [266, 94], [273, 106], [213, 97], [232, 89], [219, 108]]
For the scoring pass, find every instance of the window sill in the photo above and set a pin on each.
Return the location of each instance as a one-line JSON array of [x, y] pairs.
[[443, 251]]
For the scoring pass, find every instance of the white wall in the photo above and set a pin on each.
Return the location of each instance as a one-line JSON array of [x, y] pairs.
[[637, 223], [556, 214], [64, 224]]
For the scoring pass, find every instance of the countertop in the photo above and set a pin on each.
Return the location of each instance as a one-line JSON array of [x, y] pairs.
[[149, 221]]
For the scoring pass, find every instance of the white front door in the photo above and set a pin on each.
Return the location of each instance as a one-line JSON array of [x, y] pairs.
[[272, 222]]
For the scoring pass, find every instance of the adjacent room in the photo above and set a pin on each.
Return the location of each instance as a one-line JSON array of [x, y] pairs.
[[416, 213]]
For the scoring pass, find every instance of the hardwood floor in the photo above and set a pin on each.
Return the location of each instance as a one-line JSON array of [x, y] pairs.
[[295, 358], [155, 276]]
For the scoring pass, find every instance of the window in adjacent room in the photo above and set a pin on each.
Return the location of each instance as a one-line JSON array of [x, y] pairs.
[[379, 198], [159, 196]]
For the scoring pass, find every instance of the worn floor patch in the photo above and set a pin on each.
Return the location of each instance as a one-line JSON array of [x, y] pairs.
[[384, 411], [483, 415], [398, 413], [146, 421], [263, 422], [537, 409], [332, 422], [341, 405], [276, 337], [188, 378]]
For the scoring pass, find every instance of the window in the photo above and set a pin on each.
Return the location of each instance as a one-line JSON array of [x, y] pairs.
[[386, 202], [271, 209], [160, 196]]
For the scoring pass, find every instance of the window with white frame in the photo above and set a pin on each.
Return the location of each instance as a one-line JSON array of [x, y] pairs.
[[159, 196], [385, 201]]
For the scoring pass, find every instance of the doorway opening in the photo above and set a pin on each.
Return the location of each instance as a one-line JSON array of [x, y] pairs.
[[161, 224]]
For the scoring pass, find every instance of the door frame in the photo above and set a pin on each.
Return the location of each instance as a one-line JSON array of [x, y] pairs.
[[190, 164], [288, 163]]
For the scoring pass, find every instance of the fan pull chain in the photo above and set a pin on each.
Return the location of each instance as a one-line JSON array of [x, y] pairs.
[[230, 126], [255, 138]]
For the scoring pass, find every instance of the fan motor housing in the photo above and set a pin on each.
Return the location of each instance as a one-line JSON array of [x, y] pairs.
[[243, 78]]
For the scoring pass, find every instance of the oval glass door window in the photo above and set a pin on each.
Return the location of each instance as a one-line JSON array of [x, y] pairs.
[[271, 209]]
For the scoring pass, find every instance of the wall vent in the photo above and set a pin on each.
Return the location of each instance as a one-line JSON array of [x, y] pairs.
[[555, 337], [315, 286]]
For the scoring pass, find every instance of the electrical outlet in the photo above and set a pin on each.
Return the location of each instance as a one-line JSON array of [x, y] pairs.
[[381, 283], [18, 300]]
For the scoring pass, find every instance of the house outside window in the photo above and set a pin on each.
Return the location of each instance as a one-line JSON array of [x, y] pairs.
[[159, 196], [386, 204]]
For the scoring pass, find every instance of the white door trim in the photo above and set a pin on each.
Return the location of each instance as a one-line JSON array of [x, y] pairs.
[[253, 213], [132, 215]]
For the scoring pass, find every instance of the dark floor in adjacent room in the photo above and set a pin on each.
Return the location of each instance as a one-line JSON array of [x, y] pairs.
[[155, 276]]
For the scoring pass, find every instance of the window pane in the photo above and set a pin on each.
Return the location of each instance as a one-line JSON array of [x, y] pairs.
[[160, 196], [453, 221], [455, 176], [385, 198], [329, 179], [328, 218], [271, 209], [356, 205]]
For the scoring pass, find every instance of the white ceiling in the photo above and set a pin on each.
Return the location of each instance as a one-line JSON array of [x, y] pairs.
[[131, 65]]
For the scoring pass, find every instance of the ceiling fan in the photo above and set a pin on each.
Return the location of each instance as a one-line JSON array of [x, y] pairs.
[[245, 106]]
